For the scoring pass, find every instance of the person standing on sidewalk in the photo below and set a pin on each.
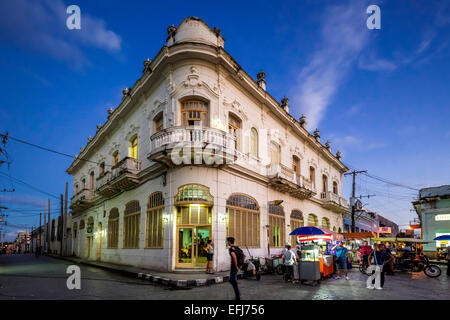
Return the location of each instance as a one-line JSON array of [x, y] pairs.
[[289, 260], [341, 259], [233, 250], [209, 256]]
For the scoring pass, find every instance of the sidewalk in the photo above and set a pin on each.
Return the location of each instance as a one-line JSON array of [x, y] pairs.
[[180, 279]]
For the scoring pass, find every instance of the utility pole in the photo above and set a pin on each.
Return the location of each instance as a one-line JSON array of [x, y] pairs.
[[48, 227], [352, 199], [62, 226], [45, 228], [40, 227], [65, 219]]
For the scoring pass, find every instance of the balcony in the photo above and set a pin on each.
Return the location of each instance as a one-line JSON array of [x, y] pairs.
[[192, 145], [81, 200], [284, 179], [123, 176], [333, 202]]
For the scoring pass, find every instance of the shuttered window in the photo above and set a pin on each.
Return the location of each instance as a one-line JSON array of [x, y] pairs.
[[113, 228], [326, 223], [296, 222], [277, 226], [155, 228], [243, 220], [131, 223]]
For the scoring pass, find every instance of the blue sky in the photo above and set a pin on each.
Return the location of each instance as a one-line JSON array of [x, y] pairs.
[[380, 96]]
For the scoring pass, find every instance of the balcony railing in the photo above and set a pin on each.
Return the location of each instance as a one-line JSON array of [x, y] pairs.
[[332, 197], [127, 165], [103, 179], [84, 194], [192, 134], [304, 182], [279, 170]]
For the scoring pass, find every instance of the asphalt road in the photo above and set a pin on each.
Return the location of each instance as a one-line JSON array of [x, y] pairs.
[[28, 277]]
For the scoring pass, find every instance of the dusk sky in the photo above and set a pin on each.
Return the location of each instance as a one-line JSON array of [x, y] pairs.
[[381, 97]]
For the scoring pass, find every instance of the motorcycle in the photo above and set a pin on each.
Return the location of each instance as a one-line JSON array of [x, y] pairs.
[[417, 264]]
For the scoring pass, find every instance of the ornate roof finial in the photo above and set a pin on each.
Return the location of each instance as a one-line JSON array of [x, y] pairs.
[[328, 145], [99, 126], [126, 92], [171, 30], [110, 111], [317, 135], [89, 139], [261, 80], [338, 155], [284, 104], [303, 121], [147, 65]]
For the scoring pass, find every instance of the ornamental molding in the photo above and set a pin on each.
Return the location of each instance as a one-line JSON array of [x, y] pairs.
[[296, 150], [312, 162], [132, 130], [159, 105], [114, 146], [236, 107], [194, 86]]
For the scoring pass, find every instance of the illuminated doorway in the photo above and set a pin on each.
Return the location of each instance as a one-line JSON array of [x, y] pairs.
[[194, 225]]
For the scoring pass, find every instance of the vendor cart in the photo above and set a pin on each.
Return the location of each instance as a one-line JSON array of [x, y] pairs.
[[326, 266], [309, 264]]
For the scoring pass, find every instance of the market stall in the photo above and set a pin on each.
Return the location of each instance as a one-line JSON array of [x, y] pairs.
[[324, 240]]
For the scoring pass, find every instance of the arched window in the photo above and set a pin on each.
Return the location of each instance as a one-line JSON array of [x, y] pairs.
[[254, 142], [113, 228], [76, 188], [326, 223], [193, 193], [102, 169], [83, 184], [115, 158], [324, 183], [90, 225], [91, 181], [194, 113], [155, 227], [75, 229], [334, 229], [234, 128], [277, 226], [312, 220], [275, 153], [335, 187], [81, 224], [296, 166], [158, 122], [133, 149], [243, 220], [312, 176], [131, 219], [339, 230], [296, 222]]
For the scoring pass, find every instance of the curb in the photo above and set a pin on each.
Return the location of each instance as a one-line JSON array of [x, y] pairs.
[[153, 278]]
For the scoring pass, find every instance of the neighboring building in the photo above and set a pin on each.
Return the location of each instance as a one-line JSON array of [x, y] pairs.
[[22, 243], [433, 209], [365, 221], [386, 228], [137, 200]]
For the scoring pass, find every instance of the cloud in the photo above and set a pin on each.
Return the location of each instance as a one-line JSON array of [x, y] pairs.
[[41, 26], [350, 142], [371, 62], [343, 37]]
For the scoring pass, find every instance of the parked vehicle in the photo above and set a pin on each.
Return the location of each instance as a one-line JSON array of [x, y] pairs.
[[274, 265], [417, 264], [252, 267]]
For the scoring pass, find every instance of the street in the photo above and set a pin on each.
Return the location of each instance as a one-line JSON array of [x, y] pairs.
[[28, 277]]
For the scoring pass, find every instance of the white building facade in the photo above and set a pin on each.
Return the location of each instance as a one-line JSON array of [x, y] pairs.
[[198, 150]]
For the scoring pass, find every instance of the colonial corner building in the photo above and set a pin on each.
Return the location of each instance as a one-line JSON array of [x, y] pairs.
[[199, 150]]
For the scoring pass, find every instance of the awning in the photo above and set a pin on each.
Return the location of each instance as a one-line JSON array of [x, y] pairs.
[[412, 240], [325, 237], [358, 235]]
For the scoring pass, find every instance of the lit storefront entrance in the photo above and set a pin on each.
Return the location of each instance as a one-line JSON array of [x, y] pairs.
[[194, 225]]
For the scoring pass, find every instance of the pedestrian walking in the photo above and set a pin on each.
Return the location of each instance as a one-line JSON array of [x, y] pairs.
[[237, 258], [289, 261], [209, 256], [341, 260]]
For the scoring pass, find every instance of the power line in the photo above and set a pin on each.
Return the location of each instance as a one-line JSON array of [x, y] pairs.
[[50, 150], [29, 185]]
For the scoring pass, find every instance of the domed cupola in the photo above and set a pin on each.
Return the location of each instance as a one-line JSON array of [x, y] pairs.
[[193, 29]]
